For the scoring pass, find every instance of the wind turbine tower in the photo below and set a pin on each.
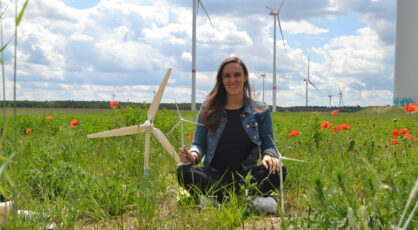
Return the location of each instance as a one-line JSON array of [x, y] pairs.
[[195, 9], [406, 53], [340, 94], [308, 81], [275, 15]]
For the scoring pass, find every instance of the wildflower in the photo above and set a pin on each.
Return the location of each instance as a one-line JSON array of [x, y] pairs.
[[48, 118], [345, 126], [98, 127], [404, 130], [407, 136], [394, 142], [395, 133], [335, 129], [288, 147], [114, 103], [416, 139], [334, 112], [411, 108], [294, 133], [190, 136], [325, 125], [28, 131], [73, 123]]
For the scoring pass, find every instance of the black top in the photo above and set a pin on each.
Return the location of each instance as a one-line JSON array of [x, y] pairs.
[[234, 146]]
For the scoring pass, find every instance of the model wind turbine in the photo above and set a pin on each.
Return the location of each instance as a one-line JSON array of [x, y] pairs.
[[281, 173], [275, 15], [180, 122], [195, 9], [147, 127], [308, 81], [340, 94]]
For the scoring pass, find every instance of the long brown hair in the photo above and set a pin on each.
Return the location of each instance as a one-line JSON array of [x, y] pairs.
[[214, 104]]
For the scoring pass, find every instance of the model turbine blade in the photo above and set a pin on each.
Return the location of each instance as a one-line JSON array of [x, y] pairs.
[[118, 132], [157, 99], [171, 130], [291, 159], [166, 144]]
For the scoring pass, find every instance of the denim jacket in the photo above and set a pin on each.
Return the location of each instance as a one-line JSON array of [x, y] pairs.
[[258, 126]]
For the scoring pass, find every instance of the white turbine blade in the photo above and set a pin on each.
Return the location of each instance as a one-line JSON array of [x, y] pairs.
[[315, 87], [280, 6], [157, 99], [191, 122], [269, 8], [204, 9], [281, 32], [166, 144], [178, 111], [272, 140], [281, 188], [118, 132], [173, 128], [290, 159], [411, 197]]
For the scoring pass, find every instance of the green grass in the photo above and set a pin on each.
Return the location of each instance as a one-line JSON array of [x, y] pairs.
[[352, 178]]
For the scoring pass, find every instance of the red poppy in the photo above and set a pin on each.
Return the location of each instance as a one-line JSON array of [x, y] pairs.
[[325, 125], [416, 139], [98, 127], [48, 118], [335, 129], [73, 123], [294, 133], [407, 136], [345, 126], [190, 136], [394, 142], [114, 103], [395, 133], [334, 112], [404, 130], [411, 108], [28, 131]]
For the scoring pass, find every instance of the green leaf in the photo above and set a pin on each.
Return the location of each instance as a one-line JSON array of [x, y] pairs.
[[5, 45], [21, 13]]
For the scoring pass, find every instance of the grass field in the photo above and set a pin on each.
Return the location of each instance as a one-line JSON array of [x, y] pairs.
[[353, 178]]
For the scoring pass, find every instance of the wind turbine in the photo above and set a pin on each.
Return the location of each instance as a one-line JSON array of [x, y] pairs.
[[281, 173], [275, 15], [147, 127], [340, 94], [308, 81], [330, 97], [180, 122], [195, 9]]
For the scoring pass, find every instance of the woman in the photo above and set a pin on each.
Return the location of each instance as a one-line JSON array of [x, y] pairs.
[[235, 128]]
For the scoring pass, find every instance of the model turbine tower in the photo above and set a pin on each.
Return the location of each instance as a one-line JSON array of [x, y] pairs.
[[405, 89]]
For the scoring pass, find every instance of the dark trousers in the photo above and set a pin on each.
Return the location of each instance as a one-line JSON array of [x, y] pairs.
[[209, 181]]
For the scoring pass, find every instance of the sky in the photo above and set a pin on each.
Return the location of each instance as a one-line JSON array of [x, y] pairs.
[[120, 50]]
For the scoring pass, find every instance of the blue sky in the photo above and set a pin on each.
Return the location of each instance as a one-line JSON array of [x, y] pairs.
[[93, 49]]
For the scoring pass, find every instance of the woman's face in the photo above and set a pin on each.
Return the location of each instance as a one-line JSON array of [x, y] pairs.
[[233, 79]]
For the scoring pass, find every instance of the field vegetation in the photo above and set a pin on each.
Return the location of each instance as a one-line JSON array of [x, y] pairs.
[[353, 178]]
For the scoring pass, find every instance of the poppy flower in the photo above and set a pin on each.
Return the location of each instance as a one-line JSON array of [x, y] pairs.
[[48, 118], [114, 103], [325, 125], [334, 112], [345, 126], [416, 139], [28, 131], [411, 108], [73, 123], [336, 128], [394, 142], [395, 133], [98, 127], [190, 136], [407, 136], [404, 130], [294, 133]]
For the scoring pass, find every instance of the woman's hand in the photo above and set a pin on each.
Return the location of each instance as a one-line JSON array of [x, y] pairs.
[[271, 163], [186, 156]]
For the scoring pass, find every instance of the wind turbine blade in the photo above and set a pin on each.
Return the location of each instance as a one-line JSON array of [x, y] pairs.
[[146, 154], [178, 111], [204, 9], [157, 99], [118, 132], [173, 128], [269, 8], [272, 140], [166, 144], [315, 87], [280, 6], [284, 47], [291, 159]]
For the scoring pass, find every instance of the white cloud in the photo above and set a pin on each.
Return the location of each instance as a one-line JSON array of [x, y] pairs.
[[298, 27]]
